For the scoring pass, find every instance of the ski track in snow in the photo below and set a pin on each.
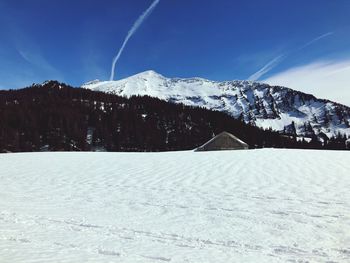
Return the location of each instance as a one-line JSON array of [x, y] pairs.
[[231, 206]]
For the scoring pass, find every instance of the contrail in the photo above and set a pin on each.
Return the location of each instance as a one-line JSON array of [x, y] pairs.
[[136, 25], [277, 60], [315, 40], [266, 68]]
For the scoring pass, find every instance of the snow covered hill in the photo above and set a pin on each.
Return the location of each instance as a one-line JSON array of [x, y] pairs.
[[256, 103], [229, 206]]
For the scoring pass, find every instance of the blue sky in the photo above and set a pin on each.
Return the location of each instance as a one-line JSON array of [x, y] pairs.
[[75, 41]]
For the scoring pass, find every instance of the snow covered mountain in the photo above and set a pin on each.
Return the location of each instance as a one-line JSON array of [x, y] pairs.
[[266, 106]]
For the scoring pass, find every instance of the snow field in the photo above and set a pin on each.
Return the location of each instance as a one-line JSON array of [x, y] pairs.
[[230, 206]]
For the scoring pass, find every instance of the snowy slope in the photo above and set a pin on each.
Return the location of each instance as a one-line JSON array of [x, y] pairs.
[[229, 206], [257, 103]]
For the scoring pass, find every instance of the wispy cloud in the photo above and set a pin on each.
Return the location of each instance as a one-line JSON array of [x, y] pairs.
[[277, 60], [34, 66], [324, 79], [274, 62], [35, 58]]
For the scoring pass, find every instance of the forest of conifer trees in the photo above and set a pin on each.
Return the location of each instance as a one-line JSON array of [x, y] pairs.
[[57, 117]]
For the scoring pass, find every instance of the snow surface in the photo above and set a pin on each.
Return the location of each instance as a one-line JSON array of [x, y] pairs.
[[248, 99], [229, 206]]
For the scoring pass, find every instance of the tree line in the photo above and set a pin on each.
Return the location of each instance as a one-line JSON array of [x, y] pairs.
[[57, 117]]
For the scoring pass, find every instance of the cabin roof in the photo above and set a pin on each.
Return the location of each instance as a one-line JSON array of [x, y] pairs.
[[209, 144]]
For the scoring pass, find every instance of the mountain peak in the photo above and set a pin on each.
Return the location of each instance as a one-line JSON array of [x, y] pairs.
[[95, 81], [148, 74]]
